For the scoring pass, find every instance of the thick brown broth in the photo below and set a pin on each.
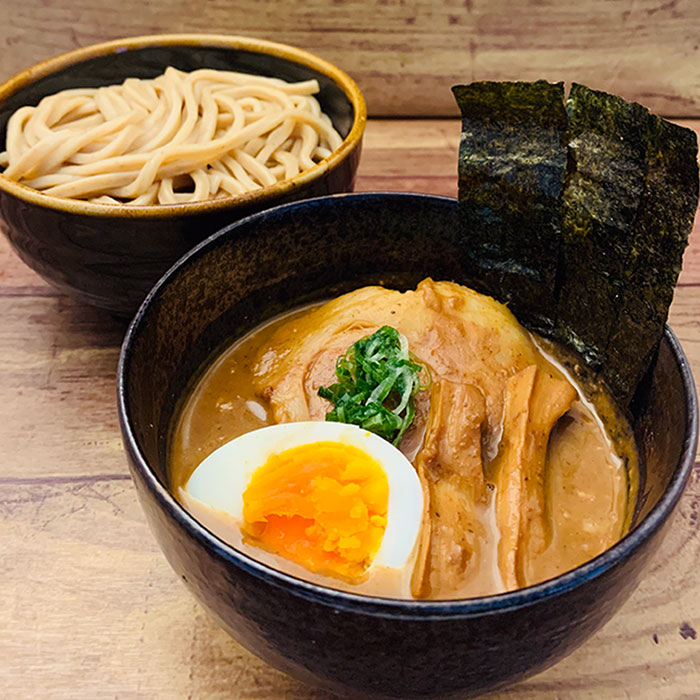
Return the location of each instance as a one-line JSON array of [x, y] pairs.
[[586, 486], [223, 405]]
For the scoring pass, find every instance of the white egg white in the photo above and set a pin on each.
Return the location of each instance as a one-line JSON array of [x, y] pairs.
[[214, 496]]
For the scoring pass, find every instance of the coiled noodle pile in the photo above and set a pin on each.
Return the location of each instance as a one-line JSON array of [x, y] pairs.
[[180, 137]]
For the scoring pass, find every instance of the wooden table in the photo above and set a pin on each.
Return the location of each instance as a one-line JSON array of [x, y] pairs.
[[89, 606]]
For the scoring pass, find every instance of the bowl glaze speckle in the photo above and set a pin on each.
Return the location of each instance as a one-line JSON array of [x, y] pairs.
[[109, 255], [351, 644]]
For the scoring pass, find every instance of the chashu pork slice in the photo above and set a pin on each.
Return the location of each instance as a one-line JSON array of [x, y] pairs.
[[462, 336]]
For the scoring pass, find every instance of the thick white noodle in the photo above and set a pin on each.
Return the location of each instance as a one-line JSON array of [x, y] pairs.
[[180, 137]]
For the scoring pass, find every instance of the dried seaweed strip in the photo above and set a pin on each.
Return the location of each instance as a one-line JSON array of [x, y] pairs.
[[604, 189], [512, 166], [578, 218], [664, 222]]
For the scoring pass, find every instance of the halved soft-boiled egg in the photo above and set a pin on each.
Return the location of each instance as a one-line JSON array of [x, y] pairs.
[[328, 502]]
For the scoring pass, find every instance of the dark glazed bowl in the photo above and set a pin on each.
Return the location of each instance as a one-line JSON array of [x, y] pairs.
[[353, 644], [110, 256]]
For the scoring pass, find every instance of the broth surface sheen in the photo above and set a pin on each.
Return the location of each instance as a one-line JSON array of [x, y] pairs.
[[585, 491]]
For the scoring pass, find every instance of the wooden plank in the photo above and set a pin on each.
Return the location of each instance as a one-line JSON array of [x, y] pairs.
[[95, 611], [406, 55], [58, 413]]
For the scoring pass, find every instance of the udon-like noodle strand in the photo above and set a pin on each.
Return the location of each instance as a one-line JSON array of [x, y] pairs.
[[179, 137]]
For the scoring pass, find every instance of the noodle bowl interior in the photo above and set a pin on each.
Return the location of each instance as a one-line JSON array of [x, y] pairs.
[[521, 479], [180, 137]]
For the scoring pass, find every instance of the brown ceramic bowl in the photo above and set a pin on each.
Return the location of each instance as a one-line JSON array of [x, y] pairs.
[[111, 255]]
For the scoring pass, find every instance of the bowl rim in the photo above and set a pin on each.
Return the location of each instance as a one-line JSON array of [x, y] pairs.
[[391, 607], [165, 211]]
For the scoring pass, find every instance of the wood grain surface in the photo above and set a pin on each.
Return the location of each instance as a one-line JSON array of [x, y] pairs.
[[405, 54], [90, 608]]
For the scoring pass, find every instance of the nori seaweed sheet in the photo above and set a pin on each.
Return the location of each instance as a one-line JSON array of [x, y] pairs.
[[664, 221], [607, 144], [512, 166], [583, 231]]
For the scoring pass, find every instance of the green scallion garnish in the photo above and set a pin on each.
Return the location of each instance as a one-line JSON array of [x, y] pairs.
[[377, 382]]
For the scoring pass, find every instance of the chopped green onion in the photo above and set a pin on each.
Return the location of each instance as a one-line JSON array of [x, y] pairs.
[[377, 382]]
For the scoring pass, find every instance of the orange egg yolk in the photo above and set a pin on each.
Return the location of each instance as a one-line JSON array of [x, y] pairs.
[[322, 505]]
